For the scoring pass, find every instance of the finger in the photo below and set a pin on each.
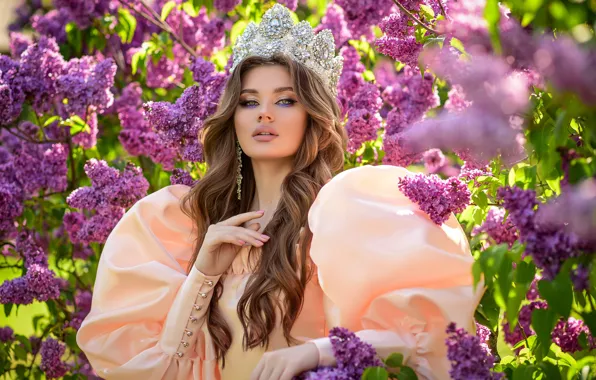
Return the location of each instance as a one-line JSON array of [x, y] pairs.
[[286, 375], [242, 218], [235, 234], [266, 373], [246, 231], [277, 373], [255, 226]]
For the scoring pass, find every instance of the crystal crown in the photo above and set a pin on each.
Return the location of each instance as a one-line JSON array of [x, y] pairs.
[[277, 33]]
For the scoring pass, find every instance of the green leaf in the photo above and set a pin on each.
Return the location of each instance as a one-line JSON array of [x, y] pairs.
[[137, 58], [458, 45], [492, 15], [167, 9], [7, 309], [190, 9], [427, 11], [590, 320], [480, 199], [237, 30], [395, 360], [558, 293], [550, 370], [127, 24], [375, 373], [543, 322], [19, 352], [407, 373]]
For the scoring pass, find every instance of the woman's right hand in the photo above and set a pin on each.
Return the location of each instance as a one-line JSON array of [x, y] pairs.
[[225, 239]]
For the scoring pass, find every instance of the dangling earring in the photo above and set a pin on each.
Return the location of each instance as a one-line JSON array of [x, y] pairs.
[[239, 171]]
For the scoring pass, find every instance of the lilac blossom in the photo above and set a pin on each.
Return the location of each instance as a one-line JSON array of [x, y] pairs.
[[39, 283], [436, 197], [335, 20], [51, 359], [405, 50], [361, 15], [83, 12], [6, 334], [468, 358], [362, 125], [226, 5], [434, 160], [180, 176], [580, 277], [40, 66], [566, 335], [398, 151], [52, 24], [496, 228], [18, 44], [30, 250]]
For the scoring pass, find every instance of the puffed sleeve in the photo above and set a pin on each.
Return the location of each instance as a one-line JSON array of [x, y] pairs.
[[388, 272], [146, 311]]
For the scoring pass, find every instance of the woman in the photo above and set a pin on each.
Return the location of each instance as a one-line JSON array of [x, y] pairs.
[[242, 276]]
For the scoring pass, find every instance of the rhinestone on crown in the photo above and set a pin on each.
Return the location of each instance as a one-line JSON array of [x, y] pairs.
[[277, 34]]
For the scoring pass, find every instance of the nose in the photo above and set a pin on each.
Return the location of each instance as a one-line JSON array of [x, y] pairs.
[[265, 114]]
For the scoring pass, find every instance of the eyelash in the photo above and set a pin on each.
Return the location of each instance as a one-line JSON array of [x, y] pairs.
[[245, 103]]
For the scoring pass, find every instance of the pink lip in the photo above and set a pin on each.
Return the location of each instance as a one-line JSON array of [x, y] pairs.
[[264, 129], [264, 138]]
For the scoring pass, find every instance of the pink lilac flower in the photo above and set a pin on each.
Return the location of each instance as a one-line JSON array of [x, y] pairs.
[[180, 176], [211, 36], [52, 24], [385, 73], [434, 160], [335, 20], [226, 5], [398, 152], [23, 15], [16, 291], [436, 197], [361, 15], [6, 334], [83, 12], [566, 335], [468, 358], [290, 4], [51, 362], [362, 125], [496, 229], [483, 333], [405, 50], [18, 44], [457, 100]]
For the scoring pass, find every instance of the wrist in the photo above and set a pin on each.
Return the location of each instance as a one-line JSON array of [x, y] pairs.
[[206, 268]]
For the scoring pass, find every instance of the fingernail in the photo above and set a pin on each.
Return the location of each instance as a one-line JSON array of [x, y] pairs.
[[259, 243], [261, 211], [264, 237], [242, 242]]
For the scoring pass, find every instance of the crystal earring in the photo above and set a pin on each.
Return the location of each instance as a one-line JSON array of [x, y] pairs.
[[239, 170]]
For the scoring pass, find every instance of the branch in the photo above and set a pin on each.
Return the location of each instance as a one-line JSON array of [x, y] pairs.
[[442, 8], [416, 19], [156, 20], [29, 139]]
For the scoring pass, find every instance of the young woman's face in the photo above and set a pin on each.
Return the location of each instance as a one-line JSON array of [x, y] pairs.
[[270, 122]]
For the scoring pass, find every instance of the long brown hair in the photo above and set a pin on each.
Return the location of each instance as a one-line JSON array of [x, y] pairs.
[[281, 275]]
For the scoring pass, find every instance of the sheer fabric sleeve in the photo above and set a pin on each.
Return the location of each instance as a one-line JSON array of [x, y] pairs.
[[388, 272], [146, 311]]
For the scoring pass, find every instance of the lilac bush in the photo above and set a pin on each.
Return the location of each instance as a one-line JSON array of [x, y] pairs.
[[491, 105]]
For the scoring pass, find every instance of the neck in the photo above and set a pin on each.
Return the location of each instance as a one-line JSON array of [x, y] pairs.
[[269, 176]]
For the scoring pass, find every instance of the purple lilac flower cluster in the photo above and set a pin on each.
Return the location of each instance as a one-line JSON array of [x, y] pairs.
[[363, 116], [177, 125], [469, 360], [352, 355], [51, 359], [548, 245], [411, 97], [399, 41], [110, 194], [335, 20], [38, 283], [82, 308], [496, 228], [26, 168], [136, 135], [182, 177], [566, 335], [361, 15], [6, 334], [438, 198], [523, 327], [484, 128]]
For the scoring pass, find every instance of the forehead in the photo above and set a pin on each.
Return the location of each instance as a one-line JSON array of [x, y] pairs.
[[267, 77]]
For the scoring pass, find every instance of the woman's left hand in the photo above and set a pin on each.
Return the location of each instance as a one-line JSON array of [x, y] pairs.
[[286, 363]]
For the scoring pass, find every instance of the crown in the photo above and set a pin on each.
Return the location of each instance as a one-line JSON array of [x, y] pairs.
[[277, 33]]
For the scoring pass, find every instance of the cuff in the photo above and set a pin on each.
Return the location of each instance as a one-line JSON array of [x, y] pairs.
[[326, 357], [187, 313]]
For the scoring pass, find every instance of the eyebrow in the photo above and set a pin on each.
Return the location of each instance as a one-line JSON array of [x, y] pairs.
[[253, 91]]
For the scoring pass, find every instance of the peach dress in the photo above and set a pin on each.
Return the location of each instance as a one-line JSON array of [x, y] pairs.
[[384, 270]]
